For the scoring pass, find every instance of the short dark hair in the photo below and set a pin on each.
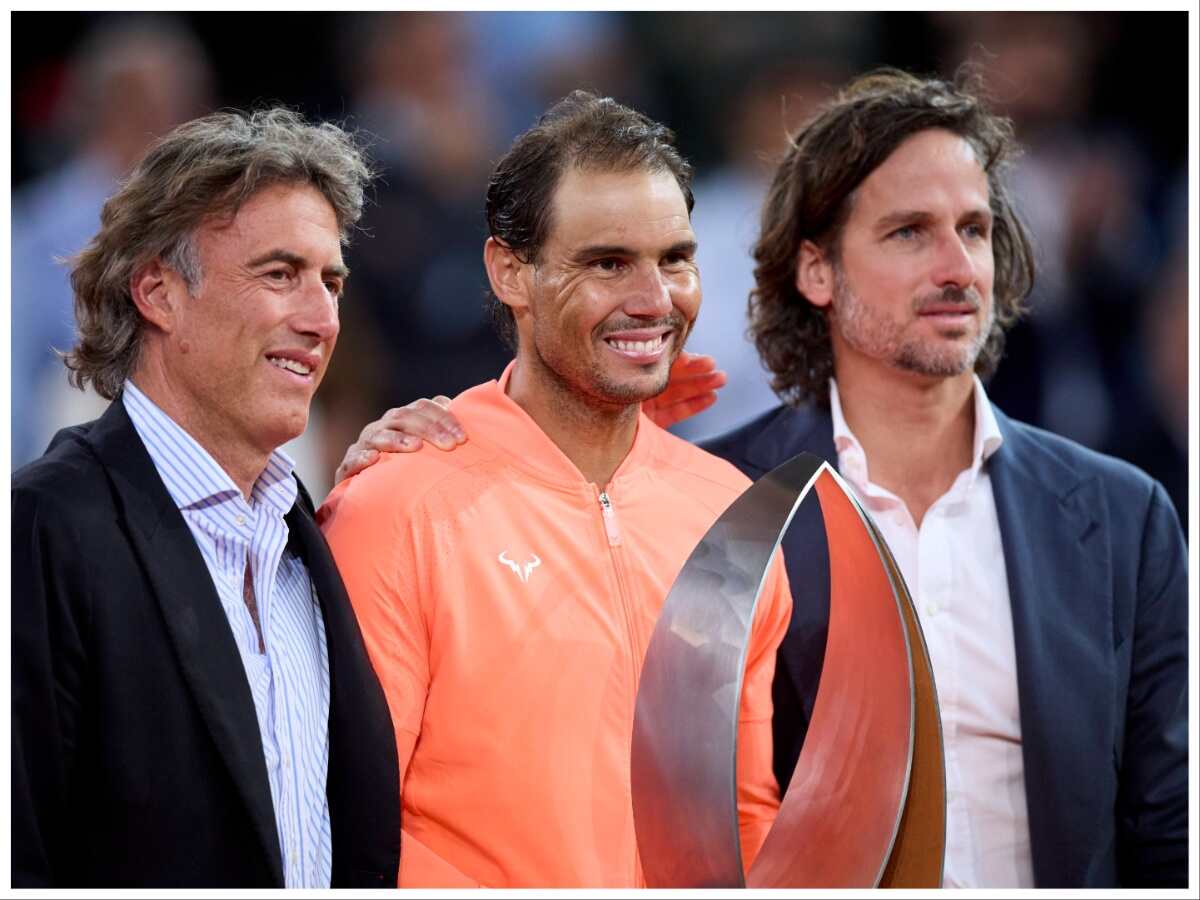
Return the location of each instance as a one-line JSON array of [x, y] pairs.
[[209, 166], [583, 130], [810, 199]]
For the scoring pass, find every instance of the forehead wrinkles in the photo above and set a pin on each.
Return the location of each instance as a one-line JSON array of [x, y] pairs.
[[618, 203]]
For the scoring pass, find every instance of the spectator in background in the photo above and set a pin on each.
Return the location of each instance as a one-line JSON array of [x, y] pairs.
[[533, 59], [131, 80], [1160, 444], [759, 116], [1085, 190], [416, 324]]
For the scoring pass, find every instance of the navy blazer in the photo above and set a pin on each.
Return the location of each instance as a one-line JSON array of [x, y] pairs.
[[137, 758], [1097, 575]]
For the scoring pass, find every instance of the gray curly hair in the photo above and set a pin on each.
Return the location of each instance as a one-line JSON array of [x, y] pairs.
[[207, 167]]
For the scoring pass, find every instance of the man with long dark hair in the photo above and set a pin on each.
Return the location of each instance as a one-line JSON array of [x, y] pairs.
[[1050, 581]]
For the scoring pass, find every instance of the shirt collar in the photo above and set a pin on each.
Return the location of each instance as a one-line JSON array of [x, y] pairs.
[[987, 438], [192, 477]]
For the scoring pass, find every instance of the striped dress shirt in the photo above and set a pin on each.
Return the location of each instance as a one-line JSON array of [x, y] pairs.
[[289, 681]]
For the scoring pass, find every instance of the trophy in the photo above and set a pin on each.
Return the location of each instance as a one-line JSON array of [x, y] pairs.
[[866, 805]]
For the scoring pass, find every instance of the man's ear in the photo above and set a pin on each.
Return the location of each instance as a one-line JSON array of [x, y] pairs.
[[156, 290], [504, 272], [814, 274]]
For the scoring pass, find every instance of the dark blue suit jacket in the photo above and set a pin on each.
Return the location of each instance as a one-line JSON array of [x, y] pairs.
[[1097, 574]]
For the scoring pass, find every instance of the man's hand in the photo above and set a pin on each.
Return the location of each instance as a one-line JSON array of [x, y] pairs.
[[402, 430], [692, 389]]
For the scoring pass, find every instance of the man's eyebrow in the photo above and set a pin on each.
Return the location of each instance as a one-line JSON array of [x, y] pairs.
[[902, 217], [297, 261], [284, 256], [599, 251], [983, 213], [596, 251], [686, 248], [918, 216]]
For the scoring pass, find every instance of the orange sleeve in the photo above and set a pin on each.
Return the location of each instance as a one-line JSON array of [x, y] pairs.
[[757, 789], [370, 535]]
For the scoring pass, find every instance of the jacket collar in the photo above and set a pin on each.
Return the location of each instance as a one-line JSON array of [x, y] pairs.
[[194, 618], [790, 430], [531, 450]]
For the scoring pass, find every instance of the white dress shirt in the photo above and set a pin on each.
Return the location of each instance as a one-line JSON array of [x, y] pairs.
[[289, 676], [954, 567]]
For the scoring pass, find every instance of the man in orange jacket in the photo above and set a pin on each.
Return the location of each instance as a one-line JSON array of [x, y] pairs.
[[507, 591]]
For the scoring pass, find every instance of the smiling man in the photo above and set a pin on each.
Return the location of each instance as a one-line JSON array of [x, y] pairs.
[[507, 591], [193, 705]]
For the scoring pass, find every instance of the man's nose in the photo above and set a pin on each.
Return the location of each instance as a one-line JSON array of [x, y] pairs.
[[650, 294], [955, 265], [318, 315]]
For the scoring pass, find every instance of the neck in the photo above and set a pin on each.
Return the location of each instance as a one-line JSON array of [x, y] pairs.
[[917, 432], [596, 437], [242, 463]]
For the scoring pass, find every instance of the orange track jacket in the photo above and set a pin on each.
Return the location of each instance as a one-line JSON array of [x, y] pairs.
[[506, 604]]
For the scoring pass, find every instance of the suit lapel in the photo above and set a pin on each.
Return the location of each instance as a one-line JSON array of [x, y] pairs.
[[1052, 523], [362, 743], [806, 559], [793, 431], [195, 621]]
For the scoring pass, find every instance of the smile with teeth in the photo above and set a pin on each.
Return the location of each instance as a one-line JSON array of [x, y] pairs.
[[650, 346], [290, 365]]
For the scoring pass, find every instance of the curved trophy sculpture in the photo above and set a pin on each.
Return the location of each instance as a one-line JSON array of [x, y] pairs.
[[866, 804]]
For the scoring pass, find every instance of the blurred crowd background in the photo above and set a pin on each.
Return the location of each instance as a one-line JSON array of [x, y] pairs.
[[1099, 101]]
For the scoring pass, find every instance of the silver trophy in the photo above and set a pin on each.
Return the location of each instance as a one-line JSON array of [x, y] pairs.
[[866, 806]]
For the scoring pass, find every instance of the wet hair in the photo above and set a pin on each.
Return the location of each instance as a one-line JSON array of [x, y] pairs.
[[812, 193], [581, 130], [204, 168]]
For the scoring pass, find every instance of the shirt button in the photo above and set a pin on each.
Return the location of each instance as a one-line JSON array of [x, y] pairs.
[[241, 520], [932, 608]]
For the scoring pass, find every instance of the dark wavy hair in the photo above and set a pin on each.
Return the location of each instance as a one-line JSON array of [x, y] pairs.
[[583, 130], [810, 199]]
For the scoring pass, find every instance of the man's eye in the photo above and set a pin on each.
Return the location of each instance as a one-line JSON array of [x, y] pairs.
[[905, 232], [608, 264], [975, 230], [279, 275], [335, 288]]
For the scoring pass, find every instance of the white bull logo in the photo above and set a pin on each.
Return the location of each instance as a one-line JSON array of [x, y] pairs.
[[521, 570]]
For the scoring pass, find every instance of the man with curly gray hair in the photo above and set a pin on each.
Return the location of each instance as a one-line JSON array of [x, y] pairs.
[[192, 702]]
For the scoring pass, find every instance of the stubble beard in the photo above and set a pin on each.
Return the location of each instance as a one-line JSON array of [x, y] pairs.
[[592, 385], [876, 334]]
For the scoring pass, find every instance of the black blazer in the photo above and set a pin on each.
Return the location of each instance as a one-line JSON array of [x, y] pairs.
[[136, 753], [1097, 577]]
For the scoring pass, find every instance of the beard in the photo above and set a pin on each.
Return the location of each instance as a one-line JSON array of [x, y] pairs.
[[875, 333], [591, 382]]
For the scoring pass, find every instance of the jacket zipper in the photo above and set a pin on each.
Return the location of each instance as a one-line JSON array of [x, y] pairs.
[[611, 528]]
